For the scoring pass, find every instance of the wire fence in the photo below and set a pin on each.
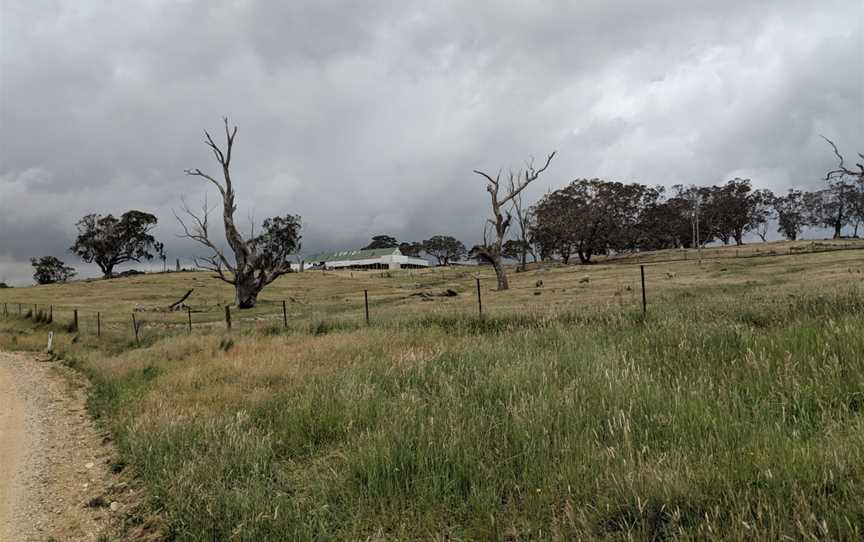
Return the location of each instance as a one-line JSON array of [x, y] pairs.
[[141, 326], [730, 253]]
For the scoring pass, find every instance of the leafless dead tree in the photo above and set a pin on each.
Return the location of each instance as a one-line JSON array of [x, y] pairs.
[[258, 260], [501, 216], [523, 221], [842, 170], [850, 195]]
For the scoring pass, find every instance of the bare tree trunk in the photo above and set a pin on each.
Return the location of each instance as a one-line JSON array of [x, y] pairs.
[[517, 183], [500, 274], [246, 294]]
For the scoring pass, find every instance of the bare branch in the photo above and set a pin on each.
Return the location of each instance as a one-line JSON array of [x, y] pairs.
[[214, 147], [229, 136], [199, 232], [198, 173], [842, 170], [531, 175], [488, 177]]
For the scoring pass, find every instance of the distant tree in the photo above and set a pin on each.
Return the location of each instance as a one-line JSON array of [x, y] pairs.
[[515, 249], [444, 248], [729, 210], [110, 241], [160, 253], [4, 285], [476, 253], [259, 259], [50, 270], [830, 207], [761, 210], [412, 249], [848, 185], [382, 241], [702, 214], [791, 214], [554, 230], [589, 217], [665, 224], [490, 250], [524, 224]]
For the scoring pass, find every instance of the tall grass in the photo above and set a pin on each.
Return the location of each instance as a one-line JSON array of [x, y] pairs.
[[718, 416]]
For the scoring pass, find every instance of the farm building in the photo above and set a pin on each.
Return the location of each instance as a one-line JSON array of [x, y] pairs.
[[381, 258]]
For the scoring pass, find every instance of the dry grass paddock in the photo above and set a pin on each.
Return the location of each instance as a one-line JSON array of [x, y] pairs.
[[324, 295]]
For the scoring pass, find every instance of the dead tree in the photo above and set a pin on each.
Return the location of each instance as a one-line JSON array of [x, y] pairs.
[[258, 260], [849, 195], [501, 216], [523, 220], [842, 170]]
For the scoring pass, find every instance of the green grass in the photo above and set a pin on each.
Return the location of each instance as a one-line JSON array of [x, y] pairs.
[[733, 410], [719, 416]]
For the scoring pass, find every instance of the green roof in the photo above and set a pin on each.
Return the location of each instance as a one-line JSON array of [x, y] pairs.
[[350, 255]]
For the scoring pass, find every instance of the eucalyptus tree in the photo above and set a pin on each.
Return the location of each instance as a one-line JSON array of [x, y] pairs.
[[109, 241]]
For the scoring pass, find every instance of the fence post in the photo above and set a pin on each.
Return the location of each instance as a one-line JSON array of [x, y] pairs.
[[19, 309], [284, 314], [50, 313], [366, 301], [135, 327], [189, 314], [75, 320], [5, 310], [479, 298], [644, 301], [228, 317], [98, 324]]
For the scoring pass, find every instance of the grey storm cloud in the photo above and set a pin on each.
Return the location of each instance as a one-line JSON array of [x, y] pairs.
[[368, 117]]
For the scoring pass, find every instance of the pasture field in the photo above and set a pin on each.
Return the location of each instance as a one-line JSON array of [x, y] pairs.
[[314, 296], [733, 410]]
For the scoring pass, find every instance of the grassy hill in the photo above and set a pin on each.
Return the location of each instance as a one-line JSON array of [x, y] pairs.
[[734, 410]]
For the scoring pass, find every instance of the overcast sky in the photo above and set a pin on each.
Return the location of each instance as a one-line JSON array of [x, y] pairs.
[[368, 117]]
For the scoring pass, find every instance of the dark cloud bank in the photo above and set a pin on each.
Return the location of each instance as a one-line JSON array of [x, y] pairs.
[[368, 117]]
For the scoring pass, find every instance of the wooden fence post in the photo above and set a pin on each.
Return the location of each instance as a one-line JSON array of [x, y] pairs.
[[366, 300], [98, 324], [189, 314], [228, 317], [19, 309], [644, 300], [479, 298], [135, 327], [75, 320], [50, 313], [284, 314]]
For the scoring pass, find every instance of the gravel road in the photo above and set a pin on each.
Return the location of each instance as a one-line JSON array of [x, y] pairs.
[[55, 477]]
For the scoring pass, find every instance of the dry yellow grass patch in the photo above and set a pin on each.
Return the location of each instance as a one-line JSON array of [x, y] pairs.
[[200, 378], [317, 295]]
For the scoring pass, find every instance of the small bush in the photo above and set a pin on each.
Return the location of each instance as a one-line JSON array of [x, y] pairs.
[[226, 344], [323, 327]]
